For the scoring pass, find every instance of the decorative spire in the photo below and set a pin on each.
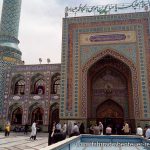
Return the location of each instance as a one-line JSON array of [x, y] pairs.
[[10, 18], [9, 28]]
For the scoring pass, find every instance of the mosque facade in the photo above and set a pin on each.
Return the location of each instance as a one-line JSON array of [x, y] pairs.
[[105, 72], [103, 76]]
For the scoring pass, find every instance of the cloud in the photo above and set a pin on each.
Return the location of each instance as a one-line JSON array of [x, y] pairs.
[[40, 31], [88, 2]]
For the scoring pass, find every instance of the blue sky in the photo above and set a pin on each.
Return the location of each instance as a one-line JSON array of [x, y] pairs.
[[40, 29]]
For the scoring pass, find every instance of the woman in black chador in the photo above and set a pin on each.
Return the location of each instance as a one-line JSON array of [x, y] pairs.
[[82, 128], [26, 128], [51, 133]]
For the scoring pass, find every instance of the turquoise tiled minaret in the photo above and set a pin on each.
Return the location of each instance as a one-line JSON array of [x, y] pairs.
[[9, 52]]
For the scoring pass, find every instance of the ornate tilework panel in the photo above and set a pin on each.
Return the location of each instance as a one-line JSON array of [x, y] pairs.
[[142, 66], [11, 53], [128, 50], [3, 67], [64, 69], [108, 18], [28, 72], [10, 17]]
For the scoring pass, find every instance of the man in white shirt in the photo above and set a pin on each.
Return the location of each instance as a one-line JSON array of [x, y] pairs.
[[148, 133], [96, 129], [108, 130], [126, 128], [64, 128], [58, 126], [139, 131], [101, 128], [75, 130]]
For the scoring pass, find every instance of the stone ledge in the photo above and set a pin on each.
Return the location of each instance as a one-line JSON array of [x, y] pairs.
[[61, 144]]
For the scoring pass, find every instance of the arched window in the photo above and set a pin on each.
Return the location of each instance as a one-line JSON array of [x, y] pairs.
[[17, 116], [54, 113], [37, 116], [19, 87], [55, 87], [37, 84], [39, 87]]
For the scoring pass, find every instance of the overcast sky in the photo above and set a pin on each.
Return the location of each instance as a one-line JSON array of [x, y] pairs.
[[40, 31]]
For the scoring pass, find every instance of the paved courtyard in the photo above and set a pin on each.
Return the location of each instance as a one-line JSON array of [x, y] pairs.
[[19, 141]]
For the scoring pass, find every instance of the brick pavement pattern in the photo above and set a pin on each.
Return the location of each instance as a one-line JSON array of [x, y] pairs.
[[19, 141]]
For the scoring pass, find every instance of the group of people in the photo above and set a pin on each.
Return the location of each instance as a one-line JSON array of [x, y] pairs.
[[59, 132], [26, 128], [143, 132], [99, 129]]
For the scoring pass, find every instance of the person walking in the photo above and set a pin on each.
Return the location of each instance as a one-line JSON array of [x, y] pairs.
[[101, 128], [96, 129], [26, 128], [64, 129], [7, 129], [147, 134], [33, 131], [70, 127], [126, 128], [51, 133]]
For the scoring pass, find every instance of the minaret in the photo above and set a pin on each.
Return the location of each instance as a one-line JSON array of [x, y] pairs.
[[9, 52]]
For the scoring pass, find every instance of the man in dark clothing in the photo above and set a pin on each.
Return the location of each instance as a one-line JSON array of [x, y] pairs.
[[26, 128], [58, 136], [51, 133], [82, 128]]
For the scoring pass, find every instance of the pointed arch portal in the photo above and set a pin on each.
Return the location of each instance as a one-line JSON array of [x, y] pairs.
[[37, 115], [109, 109], [111, 114], [109, 76]]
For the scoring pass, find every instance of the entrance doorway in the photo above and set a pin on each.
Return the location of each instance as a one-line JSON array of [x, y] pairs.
[[37, 116], [54, 114], [17, 116], [110, 114]]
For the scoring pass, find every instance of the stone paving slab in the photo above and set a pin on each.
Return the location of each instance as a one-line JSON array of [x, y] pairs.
[[41, 146], [19, 141]]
